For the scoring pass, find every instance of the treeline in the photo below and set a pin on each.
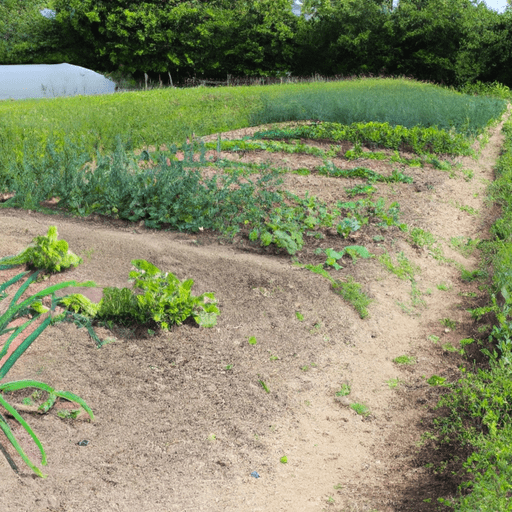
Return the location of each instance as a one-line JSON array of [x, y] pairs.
[[446, 41]]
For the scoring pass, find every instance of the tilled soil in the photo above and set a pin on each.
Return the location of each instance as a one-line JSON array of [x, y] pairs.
[[182, 421]]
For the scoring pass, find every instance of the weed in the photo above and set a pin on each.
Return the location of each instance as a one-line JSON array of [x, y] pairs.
[[450, 324], [264, 386], [344, 391], [360, 409], [472, 275], [299, 315], [435, 380], [422, 238], [338, 487], [229, 366], [71, 414], [404, 269], [252, 340], [448, 347], [444, 286], [351, 292], [433, 338], [393, 383], [283, 459], [404, 360]]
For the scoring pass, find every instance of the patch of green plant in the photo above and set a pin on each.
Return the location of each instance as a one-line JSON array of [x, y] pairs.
[[354, 251], [46, 253], [397, 103], [463, 245], [466, 208], [433, 338], [329, 169], [344, 391], [360, 409], [393, 383], [299, 315], [444, 287], [351, 292], [450, 324], [161, 298], [403, 269], [405, 359], [71, 414], [283, 459], [435, 380], [421, 238], [472, 275], [360, 190], [252, 340], [493, 90], [20, 309]]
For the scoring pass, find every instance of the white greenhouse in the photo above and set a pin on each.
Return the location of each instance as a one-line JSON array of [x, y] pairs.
[[25, 81]]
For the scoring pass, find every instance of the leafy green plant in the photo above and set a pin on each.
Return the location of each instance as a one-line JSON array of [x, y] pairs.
[[344, 391], [360, 409], [404, 360], [447, 322], [444, 287], [299, 315], [252, 340], [46, 253], [347, 226], [433, 338], [283, 459], [435, 380], [16, 310]]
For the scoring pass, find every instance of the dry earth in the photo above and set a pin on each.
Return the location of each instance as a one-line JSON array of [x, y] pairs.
[[177, 431]]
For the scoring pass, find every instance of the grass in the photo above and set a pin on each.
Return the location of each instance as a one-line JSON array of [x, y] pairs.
[[398, 102], [351, 292], [163, 116], [404, 360]]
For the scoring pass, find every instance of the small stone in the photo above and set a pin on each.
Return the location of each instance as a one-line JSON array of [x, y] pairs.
[[447, 330]]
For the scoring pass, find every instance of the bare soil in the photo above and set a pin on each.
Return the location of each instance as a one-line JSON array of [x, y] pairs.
[[175, 430]]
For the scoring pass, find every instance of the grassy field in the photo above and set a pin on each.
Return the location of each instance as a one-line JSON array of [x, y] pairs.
[[164, 116]]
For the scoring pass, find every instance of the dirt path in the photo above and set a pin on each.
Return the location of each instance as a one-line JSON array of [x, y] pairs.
[[175, 430]]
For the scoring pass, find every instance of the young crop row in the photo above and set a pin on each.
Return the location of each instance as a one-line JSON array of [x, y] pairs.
[[175, 195], [420, 140]]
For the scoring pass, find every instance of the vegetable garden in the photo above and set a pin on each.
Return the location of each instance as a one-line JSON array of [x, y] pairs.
[[327, 235]]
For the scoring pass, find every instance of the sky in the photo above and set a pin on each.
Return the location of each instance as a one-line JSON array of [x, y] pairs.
[[497, 5]]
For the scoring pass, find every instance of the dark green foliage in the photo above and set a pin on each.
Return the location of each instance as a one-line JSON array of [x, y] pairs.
[[421, 140], [373, 104]]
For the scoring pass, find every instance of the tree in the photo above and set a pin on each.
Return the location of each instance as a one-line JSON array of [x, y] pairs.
[[186, 37]]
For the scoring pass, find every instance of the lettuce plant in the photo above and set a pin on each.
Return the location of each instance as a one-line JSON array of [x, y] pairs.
[[46, 253]]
